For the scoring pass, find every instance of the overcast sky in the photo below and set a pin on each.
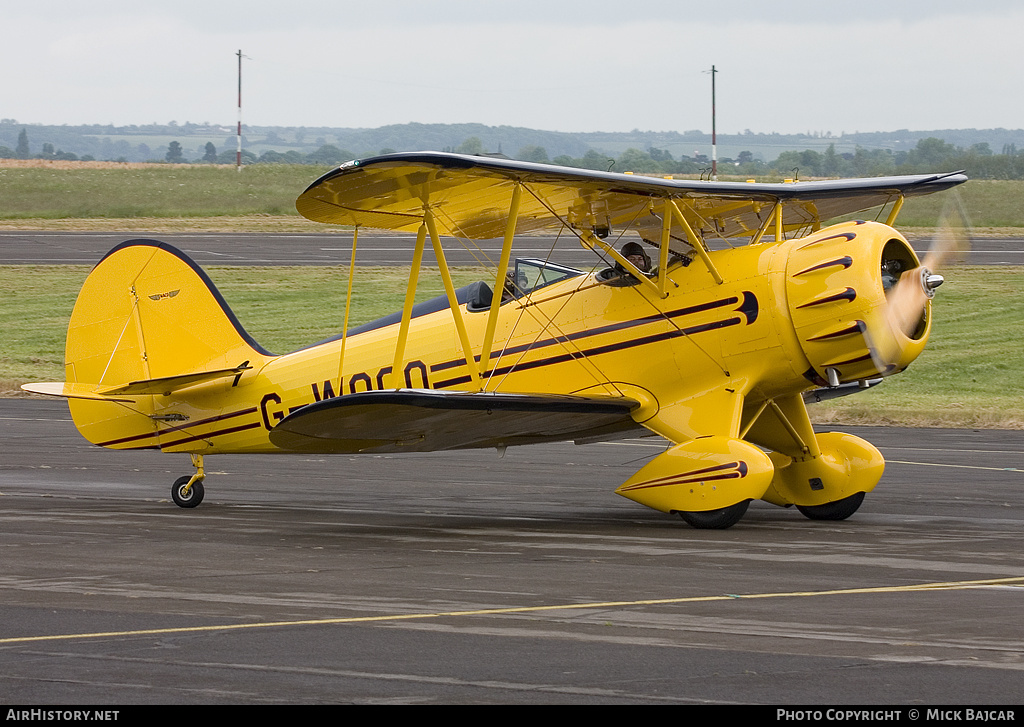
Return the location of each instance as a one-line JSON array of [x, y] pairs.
[[561, 65]]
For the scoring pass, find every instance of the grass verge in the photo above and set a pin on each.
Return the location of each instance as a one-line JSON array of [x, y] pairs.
[[284, 308], [32, 195], [160, 191], [971, 375]]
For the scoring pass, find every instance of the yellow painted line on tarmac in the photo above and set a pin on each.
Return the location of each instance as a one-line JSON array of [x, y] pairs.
[[948, 585]]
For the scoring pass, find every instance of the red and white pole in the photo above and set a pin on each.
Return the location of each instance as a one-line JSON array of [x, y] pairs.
[[238, 154], [714, 137]]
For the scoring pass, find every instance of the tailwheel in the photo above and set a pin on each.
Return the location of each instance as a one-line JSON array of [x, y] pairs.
[[188, 491], [838, 510], [719, 519], [185, 495]]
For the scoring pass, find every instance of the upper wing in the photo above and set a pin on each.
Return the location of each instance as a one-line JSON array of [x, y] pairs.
[[469, 197], [425, 420]]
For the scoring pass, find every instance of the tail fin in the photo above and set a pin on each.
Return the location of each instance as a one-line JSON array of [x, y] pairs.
[[147, 321]]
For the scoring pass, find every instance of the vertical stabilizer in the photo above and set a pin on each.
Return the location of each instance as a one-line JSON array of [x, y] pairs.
[[147, 319]]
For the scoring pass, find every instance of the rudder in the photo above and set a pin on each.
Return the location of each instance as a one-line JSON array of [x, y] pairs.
[[146, 313]]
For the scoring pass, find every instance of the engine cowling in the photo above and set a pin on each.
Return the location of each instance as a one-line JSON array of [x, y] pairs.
[[837, 284]]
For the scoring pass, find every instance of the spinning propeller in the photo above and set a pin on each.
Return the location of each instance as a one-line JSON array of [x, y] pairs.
[[908, 291]]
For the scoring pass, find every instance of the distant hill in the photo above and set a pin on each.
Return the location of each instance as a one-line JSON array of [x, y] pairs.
[[150, 142]]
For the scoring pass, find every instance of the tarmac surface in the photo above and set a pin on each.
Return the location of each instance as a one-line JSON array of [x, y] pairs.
[[469, 578], [86, 248]]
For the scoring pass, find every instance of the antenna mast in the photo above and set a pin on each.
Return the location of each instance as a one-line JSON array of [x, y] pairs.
[[714, 138], [238, 154]]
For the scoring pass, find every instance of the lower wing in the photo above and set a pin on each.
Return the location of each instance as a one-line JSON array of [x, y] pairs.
[[415, 420]]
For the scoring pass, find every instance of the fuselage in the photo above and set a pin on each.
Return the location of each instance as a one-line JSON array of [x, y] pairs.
[[733, 342], [700, 360]]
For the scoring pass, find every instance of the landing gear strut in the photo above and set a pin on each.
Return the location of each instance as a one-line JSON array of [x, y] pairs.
[[188, 491]]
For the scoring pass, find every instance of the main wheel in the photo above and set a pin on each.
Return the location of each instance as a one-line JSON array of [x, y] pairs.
[[186, 499], [838, 510], [719, 519]]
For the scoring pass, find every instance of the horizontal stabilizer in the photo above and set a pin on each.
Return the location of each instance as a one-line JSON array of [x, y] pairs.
[[69, 390], [417, 420], [166, 384]]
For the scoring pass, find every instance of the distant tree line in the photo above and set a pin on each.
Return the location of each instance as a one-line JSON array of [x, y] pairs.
[[21, 151], [175, 153], [930, 155]]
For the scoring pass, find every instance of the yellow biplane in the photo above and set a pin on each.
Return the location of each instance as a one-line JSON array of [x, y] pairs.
[[738, 307]]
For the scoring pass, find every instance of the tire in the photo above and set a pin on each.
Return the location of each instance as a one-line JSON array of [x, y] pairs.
[[194, 496], [838, 510], [720, 519]]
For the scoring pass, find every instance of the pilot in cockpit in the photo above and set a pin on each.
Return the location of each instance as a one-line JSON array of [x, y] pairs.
[[635, 253], [616, 276]]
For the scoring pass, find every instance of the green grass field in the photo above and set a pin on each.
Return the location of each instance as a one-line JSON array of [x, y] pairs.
[[971, 375], [972, 372], [284, 308], [173, 191], [200, 191]]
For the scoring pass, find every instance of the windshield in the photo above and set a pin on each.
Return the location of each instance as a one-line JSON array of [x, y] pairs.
[[531, 274]]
